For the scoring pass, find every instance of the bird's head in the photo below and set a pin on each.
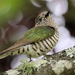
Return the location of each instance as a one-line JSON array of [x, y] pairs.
[[44, 19]]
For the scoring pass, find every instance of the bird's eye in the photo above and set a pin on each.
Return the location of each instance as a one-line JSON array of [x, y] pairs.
[[40, 19]]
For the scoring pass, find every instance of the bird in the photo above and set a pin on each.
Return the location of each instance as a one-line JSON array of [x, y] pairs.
[[38, 40]]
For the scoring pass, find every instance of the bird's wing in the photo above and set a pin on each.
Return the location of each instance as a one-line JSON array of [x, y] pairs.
[[33, 35]]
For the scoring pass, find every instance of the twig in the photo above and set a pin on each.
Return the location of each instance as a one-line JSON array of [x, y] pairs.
[[61, 63]]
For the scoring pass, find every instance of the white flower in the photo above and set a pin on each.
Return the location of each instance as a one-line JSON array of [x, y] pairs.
[[35, 3], [59, 20], [16, 19], [57, 7], [16, 61], [65, 39]]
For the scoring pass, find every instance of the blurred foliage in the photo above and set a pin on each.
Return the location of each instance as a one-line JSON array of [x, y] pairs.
[[30, 10], [8, 9]]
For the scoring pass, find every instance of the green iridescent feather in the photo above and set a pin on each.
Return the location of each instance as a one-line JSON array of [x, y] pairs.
[[39, 33]]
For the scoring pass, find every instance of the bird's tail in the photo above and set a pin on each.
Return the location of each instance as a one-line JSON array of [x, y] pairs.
[[6, 53], [13, 50], [3, 55]]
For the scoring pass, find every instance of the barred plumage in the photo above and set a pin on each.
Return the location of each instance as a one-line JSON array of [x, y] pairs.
[[39, 48]]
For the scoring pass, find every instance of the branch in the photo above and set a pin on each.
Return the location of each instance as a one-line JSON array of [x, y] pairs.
[[61, 63]]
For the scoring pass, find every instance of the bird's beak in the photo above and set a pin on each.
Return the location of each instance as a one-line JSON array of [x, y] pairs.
[[47, 14]]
